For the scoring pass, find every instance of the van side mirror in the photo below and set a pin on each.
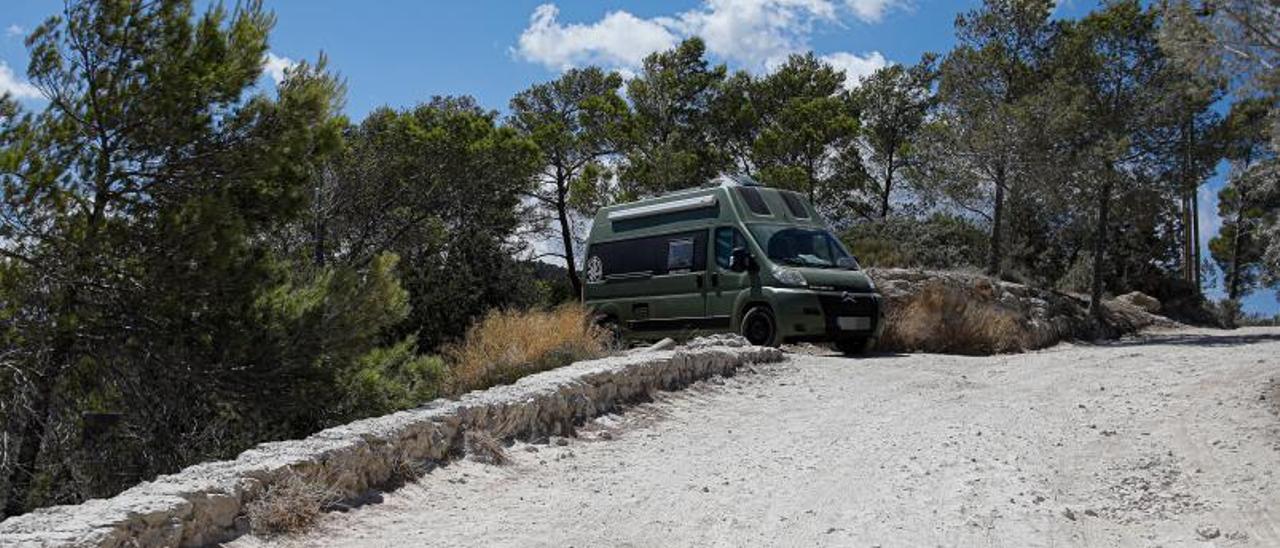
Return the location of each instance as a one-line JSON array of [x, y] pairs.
[[740, 261]]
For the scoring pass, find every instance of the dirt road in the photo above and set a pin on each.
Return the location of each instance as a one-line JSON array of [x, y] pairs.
[[1172, 439]]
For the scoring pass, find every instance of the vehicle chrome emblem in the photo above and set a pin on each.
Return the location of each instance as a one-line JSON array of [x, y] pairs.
[[848, 297], [595, 269]]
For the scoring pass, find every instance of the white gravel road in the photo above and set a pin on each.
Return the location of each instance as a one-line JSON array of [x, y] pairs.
[[1170, 439]]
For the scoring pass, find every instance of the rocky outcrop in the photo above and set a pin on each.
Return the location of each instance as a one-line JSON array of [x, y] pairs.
[[1141, 300], [970, 313], [205, 503]]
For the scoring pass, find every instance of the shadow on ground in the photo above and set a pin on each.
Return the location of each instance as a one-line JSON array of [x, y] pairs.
[[1197, 339]]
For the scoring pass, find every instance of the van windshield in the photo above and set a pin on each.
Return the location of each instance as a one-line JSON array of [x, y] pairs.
[[807, 247]]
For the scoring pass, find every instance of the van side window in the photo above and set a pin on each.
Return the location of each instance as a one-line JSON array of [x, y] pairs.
[[655, 255], [727, 238], [679, 254]]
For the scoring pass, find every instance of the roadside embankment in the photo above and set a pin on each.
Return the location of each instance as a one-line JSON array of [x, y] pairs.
[[968, 313], [206, 503]]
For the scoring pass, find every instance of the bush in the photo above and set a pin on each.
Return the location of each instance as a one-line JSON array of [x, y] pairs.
[[945, 319], [290, 505], [939, 241], [507, 345]]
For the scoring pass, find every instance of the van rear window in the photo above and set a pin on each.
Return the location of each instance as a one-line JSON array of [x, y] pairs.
[[655, 255], [755, 202]]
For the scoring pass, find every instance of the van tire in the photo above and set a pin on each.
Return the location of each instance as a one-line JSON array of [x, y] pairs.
[[613, 332], [759, 326]]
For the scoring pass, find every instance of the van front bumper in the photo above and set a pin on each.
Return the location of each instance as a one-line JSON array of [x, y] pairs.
[[818, 316]]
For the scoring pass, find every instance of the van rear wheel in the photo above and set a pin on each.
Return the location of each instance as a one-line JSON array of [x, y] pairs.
[[759, 327]]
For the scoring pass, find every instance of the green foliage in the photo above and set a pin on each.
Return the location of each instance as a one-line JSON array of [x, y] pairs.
[[578, 122], [807, 130], [668, 145], [893, 103], [940, 241]]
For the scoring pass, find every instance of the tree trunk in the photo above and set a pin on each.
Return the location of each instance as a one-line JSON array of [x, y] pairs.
[[1195, 239], [888, 186], [31, 436], [566, 235], [994, 256], [1099, 245], [1233, 284]]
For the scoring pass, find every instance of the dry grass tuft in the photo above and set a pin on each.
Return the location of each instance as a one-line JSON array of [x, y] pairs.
[[507, 345], [290, 505], [947, 319], [483, 447]]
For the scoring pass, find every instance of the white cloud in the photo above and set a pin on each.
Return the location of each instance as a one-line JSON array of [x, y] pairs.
[[618, 40], [275, 65], [14, 31], [856, 67], [872, 11], [11, 83], [755, 34]]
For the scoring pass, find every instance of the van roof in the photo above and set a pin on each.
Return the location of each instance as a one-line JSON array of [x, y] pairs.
[[726, 199]]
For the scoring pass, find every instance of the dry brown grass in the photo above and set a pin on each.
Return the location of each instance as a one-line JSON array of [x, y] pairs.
[[483, 447], [290, 505], [507, 345], [953, 320]]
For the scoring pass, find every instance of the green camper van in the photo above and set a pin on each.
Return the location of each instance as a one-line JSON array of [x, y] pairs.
[[732, 256]]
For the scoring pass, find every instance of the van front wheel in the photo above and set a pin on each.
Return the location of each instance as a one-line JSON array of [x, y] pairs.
[[759, 327]]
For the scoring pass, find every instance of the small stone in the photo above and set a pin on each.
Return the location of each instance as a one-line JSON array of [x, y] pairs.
[[1069, 514], [562, 442], [606, 435], [705, 490], [1091, 513], [1208, 532]]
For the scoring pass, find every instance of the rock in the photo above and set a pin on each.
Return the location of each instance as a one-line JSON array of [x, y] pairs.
[[664, 344], [1069, 514], [1208, 532], [1141, 300]]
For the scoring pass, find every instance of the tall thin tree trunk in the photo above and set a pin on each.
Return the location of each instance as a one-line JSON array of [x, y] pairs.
[[1195, 239], [994, 255], [1100, 244], [1233, 284], [566, 235], [1184, 229], [888, 187]]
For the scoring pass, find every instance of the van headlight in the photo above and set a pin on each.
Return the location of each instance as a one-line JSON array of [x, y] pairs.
[[787, 276]]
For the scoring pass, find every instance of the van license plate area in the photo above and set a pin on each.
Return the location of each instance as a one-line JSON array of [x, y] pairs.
[[854, 323]]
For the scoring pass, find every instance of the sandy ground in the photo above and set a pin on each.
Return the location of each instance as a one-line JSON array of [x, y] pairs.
[[1170, 439]]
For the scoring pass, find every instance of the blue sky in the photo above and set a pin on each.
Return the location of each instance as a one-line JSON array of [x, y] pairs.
[[401, 52]]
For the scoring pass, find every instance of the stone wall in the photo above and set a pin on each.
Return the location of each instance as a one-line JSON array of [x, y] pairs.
[[204, 503]]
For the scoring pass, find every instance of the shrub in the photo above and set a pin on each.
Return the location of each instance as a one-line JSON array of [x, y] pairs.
[[954, 320], [939, 241], [290, 505], [507, 345]]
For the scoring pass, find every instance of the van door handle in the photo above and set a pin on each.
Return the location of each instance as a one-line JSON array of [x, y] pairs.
[[700, 283], [715, 279]]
